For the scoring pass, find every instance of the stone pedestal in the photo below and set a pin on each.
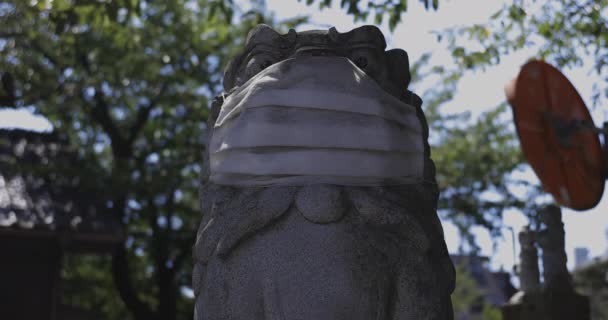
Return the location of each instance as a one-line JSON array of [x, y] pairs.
[[547, 306], [555, 299]]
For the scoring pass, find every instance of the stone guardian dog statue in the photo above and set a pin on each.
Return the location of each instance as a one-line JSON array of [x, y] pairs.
[[319, 194]]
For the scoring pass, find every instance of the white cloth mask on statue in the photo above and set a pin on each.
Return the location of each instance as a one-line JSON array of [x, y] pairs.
[[311, 120]]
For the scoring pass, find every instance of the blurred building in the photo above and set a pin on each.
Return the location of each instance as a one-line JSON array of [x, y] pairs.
[[45, 211], [591, 279], [496, 286], [606, 233], [581, 256]]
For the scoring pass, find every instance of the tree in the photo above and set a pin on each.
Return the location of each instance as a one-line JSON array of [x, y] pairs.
[[475, 158], [128, 81], [566, 33], [381, 9]]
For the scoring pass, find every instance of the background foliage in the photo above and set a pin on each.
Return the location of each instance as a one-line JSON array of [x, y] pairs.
[[129, 82]]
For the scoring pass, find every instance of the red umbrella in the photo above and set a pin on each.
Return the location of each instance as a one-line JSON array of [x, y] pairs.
[[557, 135]]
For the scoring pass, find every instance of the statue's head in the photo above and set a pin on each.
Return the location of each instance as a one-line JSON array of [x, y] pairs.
[[318, 107], [321, 123], [364, 47]]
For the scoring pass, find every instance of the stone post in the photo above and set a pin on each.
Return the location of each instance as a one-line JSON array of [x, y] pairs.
[[555, 299], [552, 242], [529, 276]]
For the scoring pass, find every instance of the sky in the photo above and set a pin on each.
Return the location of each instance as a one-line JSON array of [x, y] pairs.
[[476, 93]]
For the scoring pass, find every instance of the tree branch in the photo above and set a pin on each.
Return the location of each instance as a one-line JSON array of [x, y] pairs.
[[143, 113], [185, 252], [120, 273], [34, 45], [10, 34], [101, 114], [164, 275]]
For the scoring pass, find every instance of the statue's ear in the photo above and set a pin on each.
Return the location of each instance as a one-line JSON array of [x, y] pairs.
[[260, 34], [230, 73], [399, 67]]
